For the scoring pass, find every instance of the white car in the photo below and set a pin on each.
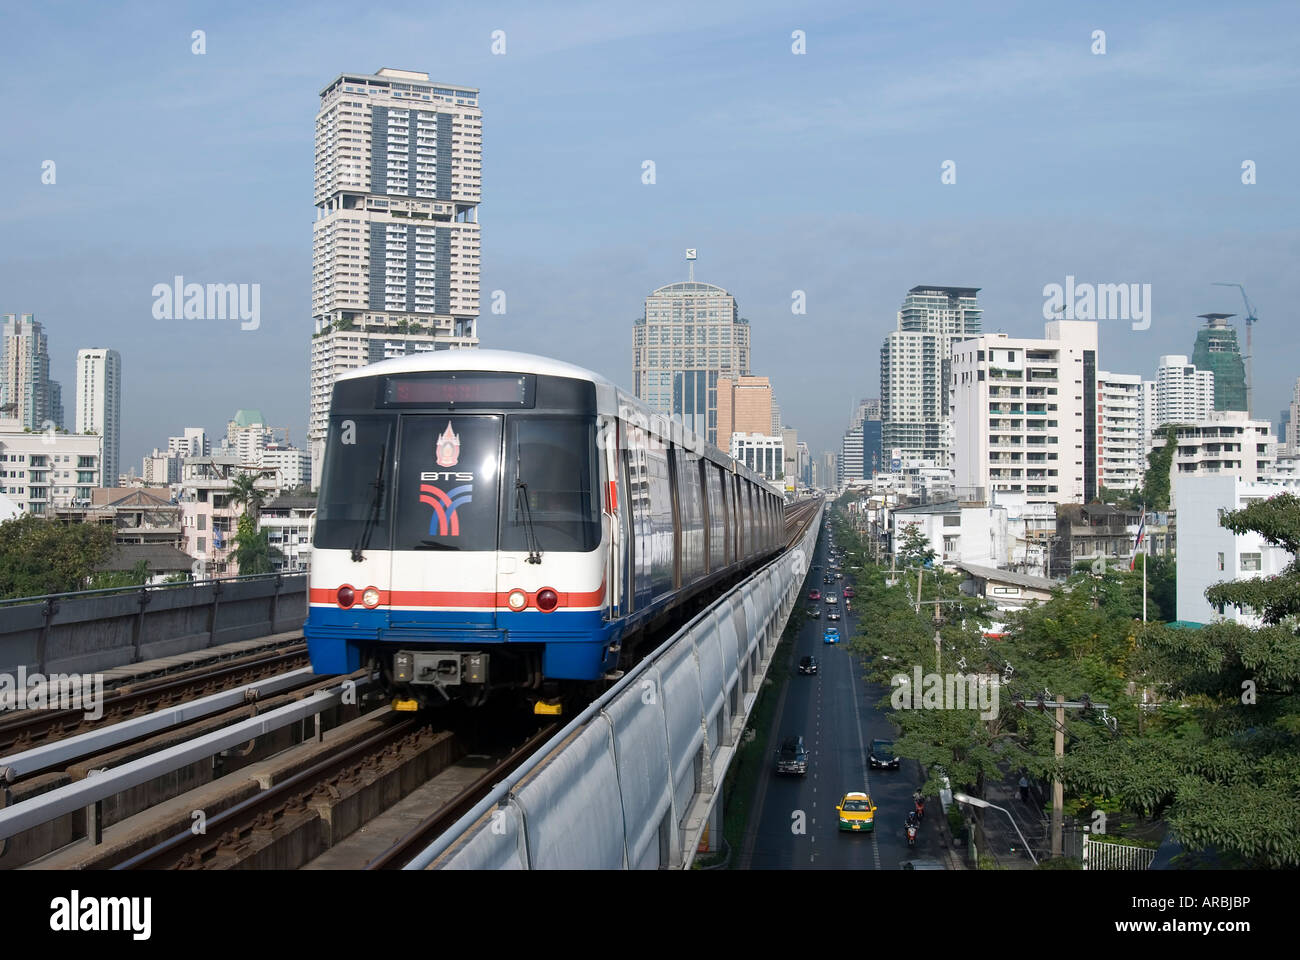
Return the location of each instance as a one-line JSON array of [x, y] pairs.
[[832, 599]]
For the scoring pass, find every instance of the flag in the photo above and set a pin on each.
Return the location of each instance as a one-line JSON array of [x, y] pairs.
[[1142, 526]]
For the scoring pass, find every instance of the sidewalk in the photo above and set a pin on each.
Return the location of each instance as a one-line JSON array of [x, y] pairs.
[[1001, 841]]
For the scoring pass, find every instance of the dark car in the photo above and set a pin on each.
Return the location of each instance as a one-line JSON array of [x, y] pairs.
[[815, 612], [792, 757], [832, 614], [883, 756], [808, 665]]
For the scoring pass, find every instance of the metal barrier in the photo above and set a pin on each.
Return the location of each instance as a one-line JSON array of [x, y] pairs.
[[1101, 854], [633, 780], [98, 629]]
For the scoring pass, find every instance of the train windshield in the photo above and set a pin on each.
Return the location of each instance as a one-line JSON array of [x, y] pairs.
[[447, 482], [549, 497], [353, 510]]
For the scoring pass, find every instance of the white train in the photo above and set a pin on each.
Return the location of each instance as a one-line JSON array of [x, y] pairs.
[[494, 520]]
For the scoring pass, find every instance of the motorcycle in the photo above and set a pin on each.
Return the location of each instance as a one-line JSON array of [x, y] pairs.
[[911, 833], [920, 808]]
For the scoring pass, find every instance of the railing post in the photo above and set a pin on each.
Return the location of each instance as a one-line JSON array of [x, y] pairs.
[[137, 629], [48, 609], [212, 613], [275, 602]]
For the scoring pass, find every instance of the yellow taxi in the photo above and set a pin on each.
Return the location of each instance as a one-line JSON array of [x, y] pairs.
[[857, 812]]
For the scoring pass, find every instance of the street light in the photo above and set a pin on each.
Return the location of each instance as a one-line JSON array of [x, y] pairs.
[[977, 802]]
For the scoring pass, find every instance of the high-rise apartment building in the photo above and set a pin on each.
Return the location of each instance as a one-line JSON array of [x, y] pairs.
[[1184, 391], [778, 422], [1225, 442], [744, 406], [1025, 414], [193, 443], [690, 337], [851, 455], [27, 393], [395, 253], [99, 403], [1121, 450], [1289, 430], [915, 366], [1217, 351]]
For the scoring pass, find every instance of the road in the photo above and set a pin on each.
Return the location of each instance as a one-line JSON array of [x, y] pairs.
[[794, 825]]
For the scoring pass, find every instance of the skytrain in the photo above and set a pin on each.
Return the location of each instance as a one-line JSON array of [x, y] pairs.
[[493, 521]]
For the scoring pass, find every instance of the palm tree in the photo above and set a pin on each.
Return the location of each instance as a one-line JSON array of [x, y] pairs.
[[243, 491]]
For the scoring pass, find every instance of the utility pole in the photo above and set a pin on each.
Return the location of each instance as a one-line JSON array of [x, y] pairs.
[[938, 642], [1058, 788]]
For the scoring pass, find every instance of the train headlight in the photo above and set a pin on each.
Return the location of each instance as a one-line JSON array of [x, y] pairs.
[[517, 600], [547, 600], [370, 598], [347, 596]]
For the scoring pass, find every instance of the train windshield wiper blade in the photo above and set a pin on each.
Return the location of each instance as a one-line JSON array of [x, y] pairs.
[[525, 511], [372, 511], [434, 545]]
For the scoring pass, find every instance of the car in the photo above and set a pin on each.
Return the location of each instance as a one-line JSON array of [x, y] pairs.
[[814, 594], [833, 614], [857, 812], [831, 635], [882, 756], [792, 757], [839, 576], [808, 665], [827, 580], [815, 612], [848, 593], [831, 598]]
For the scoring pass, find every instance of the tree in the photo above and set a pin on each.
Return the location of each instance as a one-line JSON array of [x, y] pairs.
[[253, 551], [138, 575], [914, 546], [1154, 492], [1220, 760], [245, 491], [39, 556]]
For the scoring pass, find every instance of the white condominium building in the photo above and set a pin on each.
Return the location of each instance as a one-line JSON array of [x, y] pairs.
[[41, 471], [1184, 394], [395, 256], [1121, 450], [1024, 414], [1225, 442], [99, 403]]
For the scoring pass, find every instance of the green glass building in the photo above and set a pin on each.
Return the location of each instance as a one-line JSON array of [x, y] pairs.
[[1217, 350]]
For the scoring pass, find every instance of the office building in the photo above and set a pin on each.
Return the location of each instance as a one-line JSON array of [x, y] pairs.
[[744, 405], [1025, 414], [763, 454], [914, 370], [690, 337], [99, 403], [395, 254]]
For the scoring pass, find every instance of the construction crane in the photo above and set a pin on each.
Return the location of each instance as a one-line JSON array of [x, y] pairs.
[[1250, 353]]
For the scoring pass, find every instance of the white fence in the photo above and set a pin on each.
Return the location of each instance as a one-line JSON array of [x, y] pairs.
[[1099, 854]]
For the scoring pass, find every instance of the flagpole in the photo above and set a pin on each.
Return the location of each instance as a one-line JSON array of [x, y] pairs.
[[1144, 566]]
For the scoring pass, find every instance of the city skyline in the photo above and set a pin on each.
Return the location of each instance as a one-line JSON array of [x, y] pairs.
[[1081, 172]]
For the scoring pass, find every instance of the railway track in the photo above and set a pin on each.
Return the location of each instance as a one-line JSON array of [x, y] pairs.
[[31, 728]]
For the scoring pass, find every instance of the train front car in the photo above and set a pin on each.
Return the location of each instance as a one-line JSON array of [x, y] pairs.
[[458, 540]]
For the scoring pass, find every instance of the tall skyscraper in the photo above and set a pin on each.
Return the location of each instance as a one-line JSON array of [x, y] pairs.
[[395, 254], [915, 366], [1025, 414], [691, 335], [26, 391], [99, 403], [1217, 351], [1289, 432]]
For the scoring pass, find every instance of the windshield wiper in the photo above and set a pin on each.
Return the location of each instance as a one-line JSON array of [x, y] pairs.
[[434, 545], [363, 541], [534, 548]]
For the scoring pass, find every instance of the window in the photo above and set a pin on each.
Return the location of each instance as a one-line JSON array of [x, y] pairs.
[[1251, 562], [1220, 560]]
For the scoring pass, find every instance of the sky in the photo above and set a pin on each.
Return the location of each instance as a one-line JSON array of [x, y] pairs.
[[819, 171]]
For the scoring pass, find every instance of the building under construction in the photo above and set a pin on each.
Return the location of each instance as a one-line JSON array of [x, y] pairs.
[[1217, 349]]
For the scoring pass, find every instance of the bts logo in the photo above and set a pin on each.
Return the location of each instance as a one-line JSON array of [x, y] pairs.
[[445, 522]]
